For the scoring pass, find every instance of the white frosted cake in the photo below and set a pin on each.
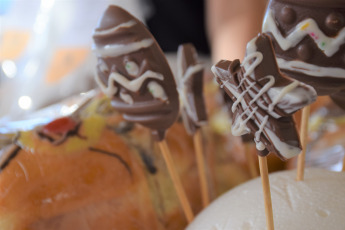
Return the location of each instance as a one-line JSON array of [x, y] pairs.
[[317, 203]]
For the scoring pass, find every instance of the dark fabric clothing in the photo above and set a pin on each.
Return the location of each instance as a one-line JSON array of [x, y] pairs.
[[179, 21]]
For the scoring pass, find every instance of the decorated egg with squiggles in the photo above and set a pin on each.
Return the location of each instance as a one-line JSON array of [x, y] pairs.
[[133, 71], [309, 41]]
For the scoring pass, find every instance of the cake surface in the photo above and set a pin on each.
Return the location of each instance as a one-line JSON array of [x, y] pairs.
[[316, 203]]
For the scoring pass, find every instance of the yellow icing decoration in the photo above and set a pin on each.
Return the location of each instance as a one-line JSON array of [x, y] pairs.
[[305, 26], [89, 133]]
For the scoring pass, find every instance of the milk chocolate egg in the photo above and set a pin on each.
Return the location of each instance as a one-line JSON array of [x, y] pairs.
[[133, 71], [309, 41]]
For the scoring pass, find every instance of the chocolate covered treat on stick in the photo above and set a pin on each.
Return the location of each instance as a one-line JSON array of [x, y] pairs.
[[190, 87], [263, 103], [133, 71], [309, 40], [193, 110], [264, 99]]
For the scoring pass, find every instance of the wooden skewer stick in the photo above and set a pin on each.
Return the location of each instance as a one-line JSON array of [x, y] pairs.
[[267, 192], [304, 138], [250, 160], [176, 180], [197, 138], [343, 169]]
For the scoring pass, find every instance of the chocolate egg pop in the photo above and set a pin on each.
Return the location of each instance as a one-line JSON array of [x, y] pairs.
[[133, 71], [263, 103], [193, 110], [309, 40], [308, 37]]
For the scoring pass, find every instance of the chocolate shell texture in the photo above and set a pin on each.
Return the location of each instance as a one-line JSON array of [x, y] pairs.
[[190, 87], [133, 71], [264, 99], [309, 40]]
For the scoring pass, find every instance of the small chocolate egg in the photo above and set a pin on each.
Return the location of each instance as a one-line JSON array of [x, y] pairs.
[[287, 15], [334, 21], [304, 52]]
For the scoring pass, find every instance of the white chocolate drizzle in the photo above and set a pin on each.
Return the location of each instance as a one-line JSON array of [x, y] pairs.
[[259, 145], [282, 93], [264, 89], [240, 127], [310, 69], [328, 45], [106, 32], [134, 85], [109, 90], [183, 91], [116, 50], [277, 95]]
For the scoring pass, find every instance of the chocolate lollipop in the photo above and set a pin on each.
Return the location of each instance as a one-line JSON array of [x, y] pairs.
[[264, 99], [309, 40], [134, 72], [190, 87]]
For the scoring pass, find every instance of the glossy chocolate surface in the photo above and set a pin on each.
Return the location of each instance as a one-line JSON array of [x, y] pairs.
[[190, 87], [134, 72], [309, 40], [264, 99]]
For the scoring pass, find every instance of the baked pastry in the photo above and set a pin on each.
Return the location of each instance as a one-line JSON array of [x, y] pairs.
[[94, 170]]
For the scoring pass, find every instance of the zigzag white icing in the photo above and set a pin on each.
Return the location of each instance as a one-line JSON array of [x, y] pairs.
[[134, 85], [328, 45]]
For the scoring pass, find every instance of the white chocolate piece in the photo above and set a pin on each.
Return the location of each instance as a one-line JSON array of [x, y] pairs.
[[157, 91], [316, 203], [132, 68]]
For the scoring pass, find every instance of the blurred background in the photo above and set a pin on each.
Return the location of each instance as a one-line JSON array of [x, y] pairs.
[[45, 51]]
